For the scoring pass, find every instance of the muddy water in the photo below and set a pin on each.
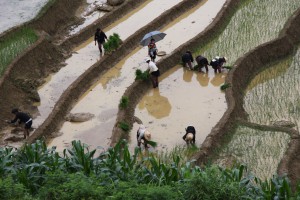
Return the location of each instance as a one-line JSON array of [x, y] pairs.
[[277, 97], [89, 14], [103, 98], [88, 54], [261, 151], [183, 98], [16, 12]]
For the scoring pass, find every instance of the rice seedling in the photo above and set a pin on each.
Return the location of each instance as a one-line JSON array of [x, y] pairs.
[[113, 42], [225, 86], [14, 44], [140, 75], [260, 150]]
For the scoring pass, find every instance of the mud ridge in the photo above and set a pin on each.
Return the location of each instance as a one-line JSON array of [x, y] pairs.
[[90, 76], [139, 88]]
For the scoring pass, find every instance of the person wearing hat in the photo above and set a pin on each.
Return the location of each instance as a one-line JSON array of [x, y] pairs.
[[143, 134], [188, 59], [217, 63], [21, 118], [202, 62], [154, 72], [190, 131], [100, 37]]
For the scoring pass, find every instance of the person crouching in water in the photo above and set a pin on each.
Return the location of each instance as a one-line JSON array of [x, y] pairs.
[[217, 63], [21, 118], [202, 62], [153, 71], [190, 135], [143, 134], [187, 59]]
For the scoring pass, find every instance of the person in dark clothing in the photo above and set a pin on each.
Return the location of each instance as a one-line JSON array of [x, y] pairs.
[[100, 37], [152, 50], [190, 129], [217, 63], [21, 118], [202, 62], [187, 59]]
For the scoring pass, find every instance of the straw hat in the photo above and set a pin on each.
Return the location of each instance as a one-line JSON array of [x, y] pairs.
[[147, 135], [189, 137]]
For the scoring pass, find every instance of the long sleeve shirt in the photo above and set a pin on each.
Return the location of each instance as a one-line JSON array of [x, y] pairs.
[[22, 117]]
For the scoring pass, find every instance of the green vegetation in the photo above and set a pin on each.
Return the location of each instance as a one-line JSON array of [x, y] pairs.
[[255, 22], [124, 126], [113, 42], [123, 102], [13, 45], [225, 86], [35, 172], [260, 150], [45, 8], [273, 94], [139, 75]]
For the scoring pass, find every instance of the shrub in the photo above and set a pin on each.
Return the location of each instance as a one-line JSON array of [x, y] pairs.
[[65, 186], [210, 184], [11, 190], [123, 102]]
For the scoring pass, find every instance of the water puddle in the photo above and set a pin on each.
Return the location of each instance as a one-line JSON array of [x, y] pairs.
[[261, 151], [103, 98], [16, 12], [275, 98], [88, 54]]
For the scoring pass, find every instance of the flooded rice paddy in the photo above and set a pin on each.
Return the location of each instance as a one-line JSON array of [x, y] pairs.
[[16, 12], [103, 98], [261, 151], [88, 54], [273, 95]]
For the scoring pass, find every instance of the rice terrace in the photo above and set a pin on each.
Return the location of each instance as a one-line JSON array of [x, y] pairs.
[[83, 116]]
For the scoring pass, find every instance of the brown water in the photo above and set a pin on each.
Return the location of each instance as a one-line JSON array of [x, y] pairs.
[[87, 54], [103, 98]]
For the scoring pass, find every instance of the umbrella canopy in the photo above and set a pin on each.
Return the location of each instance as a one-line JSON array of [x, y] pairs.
[[156, 35]]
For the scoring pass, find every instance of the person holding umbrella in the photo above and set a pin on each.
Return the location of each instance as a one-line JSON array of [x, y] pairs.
[[149, 40], [152, 50], [153, 71]]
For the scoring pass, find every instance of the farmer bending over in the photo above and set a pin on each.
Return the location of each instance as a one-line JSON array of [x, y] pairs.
[[22, 118], [143, 134]]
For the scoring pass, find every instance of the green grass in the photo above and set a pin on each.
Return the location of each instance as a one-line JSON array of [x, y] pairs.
[[256, 22], [124, 102], [14, 45]]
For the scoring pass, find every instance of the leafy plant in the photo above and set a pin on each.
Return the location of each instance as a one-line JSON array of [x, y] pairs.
[[225, 86], [139, 75], [124, 126], [112, 43], [123, 102]]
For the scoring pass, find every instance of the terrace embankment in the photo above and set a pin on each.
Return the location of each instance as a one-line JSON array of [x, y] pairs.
[[139, 88], [72, 94]]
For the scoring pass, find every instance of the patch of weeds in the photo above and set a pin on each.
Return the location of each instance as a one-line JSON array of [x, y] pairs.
[[225, 86], [124, 102], [124, 126]]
